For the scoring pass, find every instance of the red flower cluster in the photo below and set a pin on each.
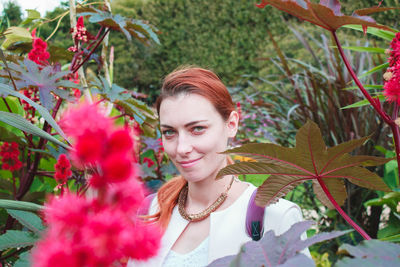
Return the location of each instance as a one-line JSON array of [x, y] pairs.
[[103, 230], [39, 53], [392, 75], [63, 169], [79, 34], [74, 77], [9, 156], [33, 94], [149, 162]]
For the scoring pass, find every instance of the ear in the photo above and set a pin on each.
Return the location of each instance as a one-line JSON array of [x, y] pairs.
[[232, 124]]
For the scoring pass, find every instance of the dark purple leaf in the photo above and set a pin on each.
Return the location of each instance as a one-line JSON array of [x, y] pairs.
[[371, 253], [326, 14], [273, 251], [151, 143], [129, 27], [48, 79]]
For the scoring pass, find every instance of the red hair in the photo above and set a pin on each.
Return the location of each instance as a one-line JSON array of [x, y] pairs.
[[189, 80]]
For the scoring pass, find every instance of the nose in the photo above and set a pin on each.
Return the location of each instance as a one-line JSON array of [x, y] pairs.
[[184, 145]]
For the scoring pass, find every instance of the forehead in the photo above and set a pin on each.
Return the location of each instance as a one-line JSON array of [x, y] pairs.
[[185, 108]]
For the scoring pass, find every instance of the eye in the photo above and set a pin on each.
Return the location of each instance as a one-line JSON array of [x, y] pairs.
[[168, 133], [198, 129]]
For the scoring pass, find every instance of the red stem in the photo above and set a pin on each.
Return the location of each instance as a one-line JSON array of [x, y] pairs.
[[375, 103], [341, 212], [91, 51]]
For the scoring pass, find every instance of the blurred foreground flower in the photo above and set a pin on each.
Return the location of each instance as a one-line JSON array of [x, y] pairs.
[[103, 230]]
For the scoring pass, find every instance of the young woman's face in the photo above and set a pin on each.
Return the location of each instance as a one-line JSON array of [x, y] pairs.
[[193, 132]]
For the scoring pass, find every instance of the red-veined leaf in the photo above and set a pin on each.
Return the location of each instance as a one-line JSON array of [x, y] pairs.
[[326, 14], [309, 160], [337, 189]]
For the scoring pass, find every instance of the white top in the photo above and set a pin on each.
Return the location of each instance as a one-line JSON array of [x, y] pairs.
[[198, 257], [227, 228]]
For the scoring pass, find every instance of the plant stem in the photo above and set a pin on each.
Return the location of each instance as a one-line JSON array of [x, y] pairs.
[[374, 103], [91, 51], [341, 212]]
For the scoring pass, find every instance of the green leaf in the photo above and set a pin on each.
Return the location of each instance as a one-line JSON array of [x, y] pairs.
[[20, 205], [363, 102], [393, 238], [367, 87], [23, 260], [391, 174], [6, 184], [129, 27], [309, 160], [32, 15], [24, 125], [387, 35], [28, 219], [43, 111], [365, 49], [375, 69], [17, 239], [390, 199], [15, 35], [8, 136]]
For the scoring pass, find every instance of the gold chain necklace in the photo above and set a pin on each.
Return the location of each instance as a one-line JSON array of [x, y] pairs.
[[195, 217]]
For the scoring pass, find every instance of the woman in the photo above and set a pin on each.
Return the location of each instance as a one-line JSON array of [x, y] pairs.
[[203, 218]]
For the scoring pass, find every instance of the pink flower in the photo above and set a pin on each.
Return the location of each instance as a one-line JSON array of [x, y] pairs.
[[120, 141], [102, 230], [127, 196], [84, 116], [117, 167], [68, 211], [89, 147]]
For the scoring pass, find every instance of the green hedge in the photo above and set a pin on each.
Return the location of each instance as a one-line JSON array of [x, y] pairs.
[[227, 36]]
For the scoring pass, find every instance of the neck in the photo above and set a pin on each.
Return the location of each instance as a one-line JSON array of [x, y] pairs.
[[203, 193]]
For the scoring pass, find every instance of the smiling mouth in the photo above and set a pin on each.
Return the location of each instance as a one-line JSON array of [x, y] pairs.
[[188, 163]]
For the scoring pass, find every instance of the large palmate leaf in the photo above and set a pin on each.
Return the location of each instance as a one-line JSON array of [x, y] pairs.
[[46, 79], [326, 14], [126, 100], [273, 251], [371, 253], [129, 27], [309, 160]]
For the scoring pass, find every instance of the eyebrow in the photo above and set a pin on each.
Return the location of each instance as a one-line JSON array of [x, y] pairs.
[[186, 125]]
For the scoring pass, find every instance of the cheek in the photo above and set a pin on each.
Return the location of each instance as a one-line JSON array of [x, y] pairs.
[[169, 147], [212, 143]]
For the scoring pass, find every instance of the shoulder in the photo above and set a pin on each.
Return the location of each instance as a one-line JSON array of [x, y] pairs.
[[281, 215]]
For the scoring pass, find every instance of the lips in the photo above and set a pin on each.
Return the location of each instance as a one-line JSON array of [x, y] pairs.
[[188, 163]]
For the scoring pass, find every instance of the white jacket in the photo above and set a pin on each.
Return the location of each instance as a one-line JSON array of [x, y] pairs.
[[227, 227]]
